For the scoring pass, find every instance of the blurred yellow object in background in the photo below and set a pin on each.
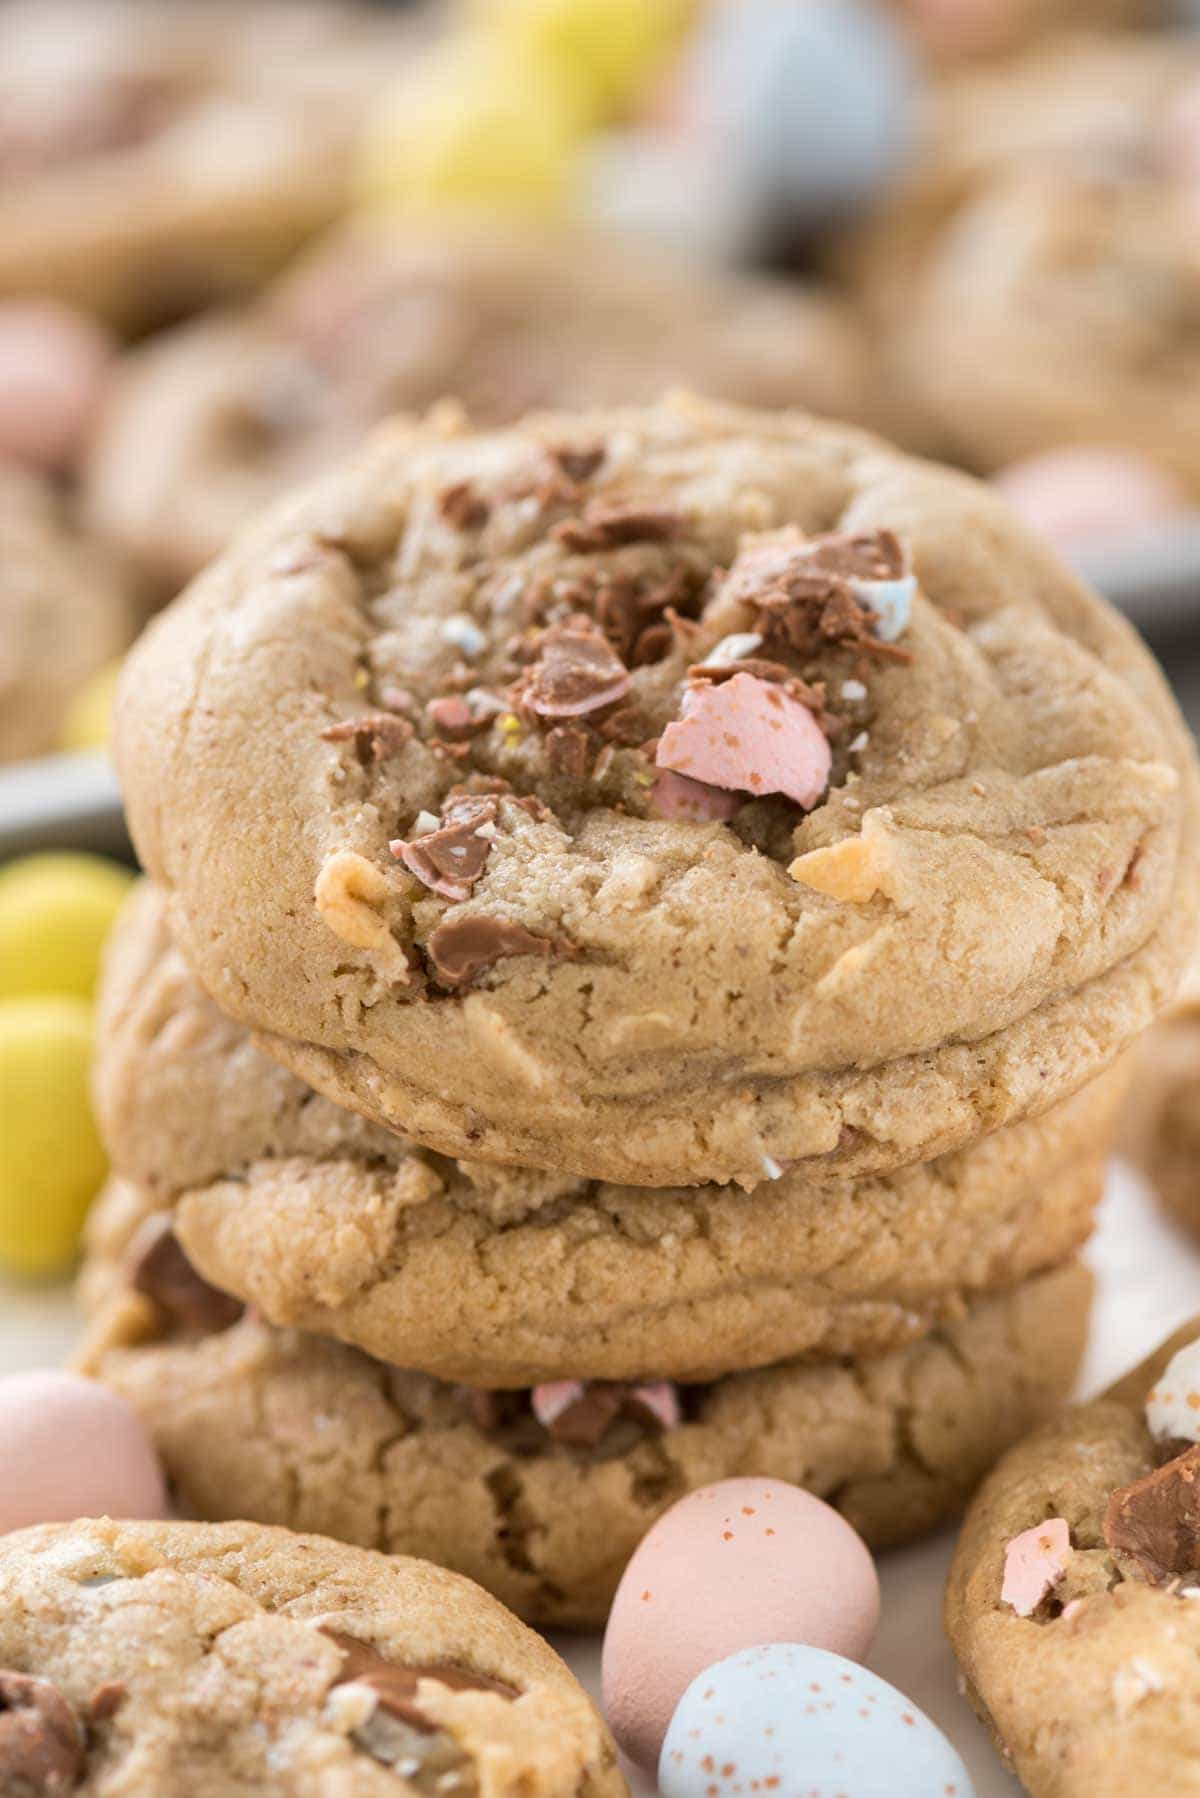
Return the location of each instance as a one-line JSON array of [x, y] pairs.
[[55, 912], [472, 127], [52, 1163], [606, 50], [88, 723]]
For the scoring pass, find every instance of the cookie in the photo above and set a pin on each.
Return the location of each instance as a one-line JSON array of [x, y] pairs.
[[1079, 1645], [663, 796], [1160, 1126], [166, 1660], [543, 1495], [385, 319], [504, 1277], [966, 30], [1037, 277], [65, 610], [151, 161]]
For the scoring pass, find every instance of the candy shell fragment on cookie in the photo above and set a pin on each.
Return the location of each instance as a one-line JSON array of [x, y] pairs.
[[1034, 1562], [692, 801], [750, 736], [1173, 1402]]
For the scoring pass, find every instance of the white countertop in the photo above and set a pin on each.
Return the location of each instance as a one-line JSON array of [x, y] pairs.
[[1148, 1282]]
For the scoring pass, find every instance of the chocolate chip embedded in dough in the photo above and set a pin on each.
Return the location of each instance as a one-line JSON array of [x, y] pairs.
[[1156, 1520], [463, 945], [160, 1269], [395, 1685], [42, 1741]]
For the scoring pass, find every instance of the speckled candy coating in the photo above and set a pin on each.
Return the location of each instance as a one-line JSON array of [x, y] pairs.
[[1173, 1402], [732, 1564], [803, 1723]]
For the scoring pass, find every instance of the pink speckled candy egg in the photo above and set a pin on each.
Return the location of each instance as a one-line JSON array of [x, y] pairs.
[[742, 1562], [54, 368], [1074, 496], [792, 1720], [71, 1448]]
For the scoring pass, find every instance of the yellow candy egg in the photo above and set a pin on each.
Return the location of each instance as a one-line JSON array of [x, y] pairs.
[[88, 723], [51, 1159], [470, 128], [607, 49], [55, 912]]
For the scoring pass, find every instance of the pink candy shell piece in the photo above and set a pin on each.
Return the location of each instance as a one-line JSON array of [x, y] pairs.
[[661, 1399], [751, 736], [1034, 1562], [690, 801]]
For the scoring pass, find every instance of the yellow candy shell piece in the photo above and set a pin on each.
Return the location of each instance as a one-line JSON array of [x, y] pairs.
[[52, 1163], [56, 911]]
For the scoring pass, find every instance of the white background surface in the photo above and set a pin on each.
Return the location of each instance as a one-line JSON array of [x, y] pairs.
[[1148, 1277]]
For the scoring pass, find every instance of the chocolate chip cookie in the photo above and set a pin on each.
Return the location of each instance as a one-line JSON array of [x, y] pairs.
[[543, 1494], [65, 610], [153, 159], [663, 796], [167, 1660], [503, 1277], [1072, 1602], [240, 407]]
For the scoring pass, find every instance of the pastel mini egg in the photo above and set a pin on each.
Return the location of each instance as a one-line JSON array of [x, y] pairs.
[[52, 1162], [56, 910], [71, 1448], [1074, 496], [54, 369], [730, 1565], [794, 1720]]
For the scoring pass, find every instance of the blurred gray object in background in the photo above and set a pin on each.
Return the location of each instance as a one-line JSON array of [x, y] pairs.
[[62, 802]]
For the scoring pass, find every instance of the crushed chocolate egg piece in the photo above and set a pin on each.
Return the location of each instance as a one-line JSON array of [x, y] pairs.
[[450, 858], [395, 1685], [844, 588], [107, 1700], [1156, 1520], [375, 737], [466, 944], [580, 1413], [600, 527], [580, 463], [1034, 1562], [43, 1744], [569, 749], [576, 671], [462, 507], [161, 1271]]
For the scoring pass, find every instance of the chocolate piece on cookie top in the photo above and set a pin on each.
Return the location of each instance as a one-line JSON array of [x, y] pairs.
[[42, 1740]]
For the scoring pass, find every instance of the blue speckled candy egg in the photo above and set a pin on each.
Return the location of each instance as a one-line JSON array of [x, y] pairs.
[[793, 1722]]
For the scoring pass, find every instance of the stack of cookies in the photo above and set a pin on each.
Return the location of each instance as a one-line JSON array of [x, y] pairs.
[[646, 911]]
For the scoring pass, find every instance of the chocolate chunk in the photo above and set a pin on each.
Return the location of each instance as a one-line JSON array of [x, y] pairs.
[[576, 671], [1156, 1520], [395, 1686], [462, 507], [451, 859], [804, 593], [375, 737], [463, 945], [585, 1423], [42, 1741], [159, 1268], [578, 465], [603, 527], [107, 1700], [569, 749]]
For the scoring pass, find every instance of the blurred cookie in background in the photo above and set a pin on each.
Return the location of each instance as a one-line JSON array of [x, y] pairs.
[[211, 421], [1161, 1130], [154, 157], [1037, 279], [65, 612], [961, 30]]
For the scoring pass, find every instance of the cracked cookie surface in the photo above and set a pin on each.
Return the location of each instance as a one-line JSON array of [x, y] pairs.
[[296, 1429], [504, 1277], [168, 1660], [1094, 1693], [992, 896]]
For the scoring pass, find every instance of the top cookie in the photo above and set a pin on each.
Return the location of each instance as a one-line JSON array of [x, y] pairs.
[[174, 1660], [663, 795]]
